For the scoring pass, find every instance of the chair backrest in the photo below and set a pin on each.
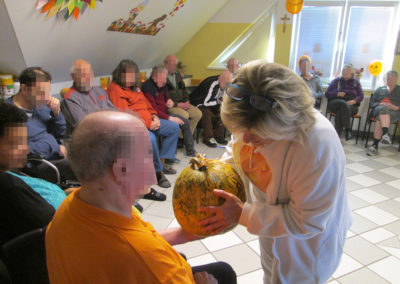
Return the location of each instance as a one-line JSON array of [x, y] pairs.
[[25, 258]]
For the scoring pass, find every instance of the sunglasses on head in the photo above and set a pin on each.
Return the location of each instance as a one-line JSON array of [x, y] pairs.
[[256, 101]]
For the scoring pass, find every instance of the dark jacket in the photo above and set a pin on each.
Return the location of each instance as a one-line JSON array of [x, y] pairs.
[[157, 97], [206, 93], [351, 87], [178, 94]]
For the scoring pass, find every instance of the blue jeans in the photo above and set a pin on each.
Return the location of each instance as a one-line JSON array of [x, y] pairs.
[[169, 132]]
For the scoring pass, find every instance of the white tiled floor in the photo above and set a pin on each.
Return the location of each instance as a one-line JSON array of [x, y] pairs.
[[372, 251]]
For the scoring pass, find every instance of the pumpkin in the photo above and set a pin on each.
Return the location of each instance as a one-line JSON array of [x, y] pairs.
[[194, 188]]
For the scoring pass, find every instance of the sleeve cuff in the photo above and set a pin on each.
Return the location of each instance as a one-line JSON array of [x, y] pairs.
[[245, 216]]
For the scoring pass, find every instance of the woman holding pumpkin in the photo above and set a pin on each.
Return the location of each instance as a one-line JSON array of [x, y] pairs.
[[293, 167]]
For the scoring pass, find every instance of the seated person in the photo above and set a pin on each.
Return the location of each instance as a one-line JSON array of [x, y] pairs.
[[125, 94], [26, 203], [232, 65], [82, 98], [157, 94], [179, 95], [208, 97], [46, 124], [344, 96], [385, 104], [107, 243], [313, 81]]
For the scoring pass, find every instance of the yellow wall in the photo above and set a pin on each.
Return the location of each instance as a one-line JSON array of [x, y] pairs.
[[206, 45], [282, 44], [396, 63]]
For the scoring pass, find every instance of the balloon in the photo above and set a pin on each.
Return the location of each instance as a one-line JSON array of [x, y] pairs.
[[375, 68], [294, 6]]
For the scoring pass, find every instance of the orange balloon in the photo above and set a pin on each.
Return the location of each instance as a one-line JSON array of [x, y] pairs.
[[294, 6]]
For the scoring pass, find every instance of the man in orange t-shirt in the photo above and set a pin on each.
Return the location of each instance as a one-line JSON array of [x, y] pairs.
[[94, 236]]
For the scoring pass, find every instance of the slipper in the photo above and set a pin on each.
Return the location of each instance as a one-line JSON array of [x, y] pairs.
[[169, 171], [155, 195]]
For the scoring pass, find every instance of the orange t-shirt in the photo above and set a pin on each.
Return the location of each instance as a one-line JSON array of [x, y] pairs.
[[125, 98], [386, 100], [86, 244]]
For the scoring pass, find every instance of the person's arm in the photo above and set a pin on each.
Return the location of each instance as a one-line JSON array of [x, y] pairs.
[[117, 97], [176, 236], [210, 99], [318, 88], [332, 90], [376, 98], [72, 111], [57, 126], [358, 93]]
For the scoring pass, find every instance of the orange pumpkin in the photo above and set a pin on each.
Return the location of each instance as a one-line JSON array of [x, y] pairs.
[[194, 188]]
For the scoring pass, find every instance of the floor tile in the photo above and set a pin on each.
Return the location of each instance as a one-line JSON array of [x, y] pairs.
[[387, 268], [393, 242], [333, 282], [161, 209], [361, 224], [393, 227], [242, 258], [355, 202], [363, 251], [391, 206], [357, 157], [374, 164], [395, 172], [395, 183], [368, 195], [350, 173], [364, 276], [386, 190], [221, 241], [192, 249], [349, 234], [360, 168], [347, 265], [202, 259], [255, 245], [380, 176], [387, 161], [243, 234], [352, 149], [350, 185], [255, 277], [377, 235], [158, 223], [377, 215], [363, 180], [391, 250]]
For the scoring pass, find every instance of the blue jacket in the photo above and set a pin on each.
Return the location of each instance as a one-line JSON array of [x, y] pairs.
[[44, 131]]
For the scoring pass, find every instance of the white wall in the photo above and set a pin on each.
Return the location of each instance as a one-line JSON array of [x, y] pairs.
[[55, 43]]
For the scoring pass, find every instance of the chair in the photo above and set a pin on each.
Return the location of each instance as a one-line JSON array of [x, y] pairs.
[[356, 116], [25, 258]]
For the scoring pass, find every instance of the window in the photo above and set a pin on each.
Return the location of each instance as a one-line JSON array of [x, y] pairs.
[[334, 33]]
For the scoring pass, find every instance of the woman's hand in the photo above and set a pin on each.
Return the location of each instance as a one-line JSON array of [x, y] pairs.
[[204, 278], [223, 216]]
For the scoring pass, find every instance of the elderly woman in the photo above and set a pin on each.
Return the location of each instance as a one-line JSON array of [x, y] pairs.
[[293, 167], [312, 80]]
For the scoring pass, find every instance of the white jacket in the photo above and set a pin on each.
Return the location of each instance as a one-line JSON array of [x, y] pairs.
[[304, 210]]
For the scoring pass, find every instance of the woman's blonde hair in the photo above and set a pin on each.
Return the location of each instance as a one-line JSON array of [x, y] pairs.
[[289, 119]]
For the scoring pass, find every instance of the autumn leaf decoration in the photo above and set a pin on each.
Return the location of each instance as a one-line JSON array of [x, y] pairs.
[[69, 7]]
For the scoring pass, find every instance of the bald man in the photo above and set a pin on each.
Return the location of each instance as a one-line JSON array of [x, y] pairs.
[[106, 242], [232, 65], [208, 97], [82, 98], [177, 91]]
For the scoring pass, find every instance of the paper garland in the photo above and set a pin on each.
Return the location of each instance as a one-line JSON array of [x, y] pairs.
[[70, 7], [151, 28]]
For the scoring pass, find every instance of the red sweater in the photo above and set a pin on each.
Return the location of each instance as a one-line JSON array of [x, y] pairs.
[[125, 98]]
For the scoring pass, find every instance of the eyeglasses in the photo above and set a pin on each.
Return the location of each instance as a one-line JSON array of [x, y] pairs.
[[256, 101]]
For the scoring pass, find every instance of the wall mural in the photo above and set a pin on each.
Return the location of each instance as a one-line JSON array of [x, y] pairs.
[[70, 7], [151, 28]]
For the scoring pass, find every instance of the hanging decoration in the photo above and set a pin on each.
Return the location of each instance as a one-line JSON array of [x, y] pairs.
[[69, 7], [151, 28], [294, 6], [375, 67]]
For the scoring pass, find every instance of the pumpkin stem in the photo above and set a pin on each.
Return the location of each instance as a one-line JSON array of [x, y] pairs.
[[199, 162]]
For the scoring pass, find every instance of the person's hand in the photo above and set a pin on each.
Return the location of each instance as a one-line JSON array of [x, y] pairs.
[[54, 105], [155, 123], [351, 102], [384, 104], [204, 278], [341, 94], [169, 103], [176, 120], [223, 216], [63, 151], [181, 105], [187, 105]]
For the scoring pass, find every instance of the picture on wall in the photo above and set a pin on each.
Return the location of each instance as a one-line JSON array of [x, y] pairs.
[[151, 28], [69, 7]]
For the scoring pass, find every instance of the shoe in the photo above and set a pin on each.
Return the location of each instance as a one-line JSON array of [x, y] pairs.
[[138, 206], [211, 143], [162, 180], [222, 141], [172, 161], [349, 135], [180, 144], [169, 171], [155, 195], [372, 151], [386, 139], [191, 154]]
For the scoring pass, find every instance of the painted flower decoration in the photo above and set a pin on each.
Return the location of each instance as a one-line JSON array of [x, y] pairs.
[[69, 7]]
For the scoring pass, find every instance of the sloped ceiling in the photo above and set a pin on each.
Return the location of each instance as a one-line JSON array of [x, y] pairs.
[[55, 43]]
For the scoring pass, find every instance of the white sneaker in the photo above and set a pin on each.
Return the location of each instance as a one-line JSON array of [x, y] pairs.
[[372, 151], [212, 140], [386, 139]]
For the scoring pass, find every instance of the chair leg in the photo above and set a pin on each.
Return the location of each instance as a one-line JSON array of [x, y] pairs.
[[358, 129], [394, 133], [369, 129]]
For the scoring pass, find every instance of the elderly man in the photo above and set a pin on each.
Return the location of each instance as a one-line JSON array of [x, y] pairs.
[[46, 124], [107, 243], [344, 96], [208, 97], [312, 80], [179, 96], [385, 104], [233, 66], [157, 94]]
